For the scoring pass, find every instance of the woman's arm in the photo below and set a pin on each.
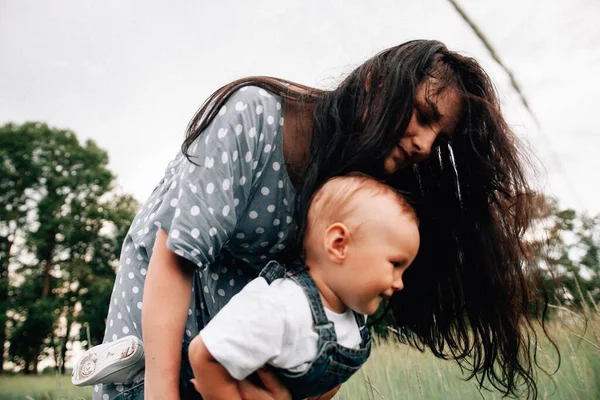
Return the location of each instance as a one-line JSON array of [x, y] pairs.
[[167, 294]]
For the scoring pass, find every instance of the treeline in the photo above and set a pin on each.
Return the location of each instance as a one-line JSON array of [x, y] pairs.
[[62, 224], [61, 228]]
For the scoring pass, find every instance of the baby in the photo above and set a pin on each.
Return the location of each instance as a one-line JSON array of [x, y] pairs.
[[308, 322]]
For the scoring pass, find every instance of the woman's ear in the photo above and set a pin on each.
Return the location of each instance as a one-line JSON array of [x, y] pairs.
[[336, 242]]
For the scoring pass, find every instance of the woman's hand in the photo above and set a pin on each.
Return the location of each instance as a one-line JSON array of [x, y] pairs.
[[328, 395], [273, 390]]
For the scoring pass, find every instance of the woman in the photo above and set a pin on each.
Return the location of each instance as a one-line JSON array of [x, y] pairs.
[[423, 118]]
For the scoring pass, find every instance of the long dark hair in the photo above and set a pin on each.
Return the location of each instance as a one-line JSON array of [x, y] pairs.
[[469, 294]]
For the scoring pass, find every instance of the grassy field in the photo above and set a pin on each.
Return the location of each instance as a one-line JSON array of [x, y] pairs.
[[41, 388], [398, 372]]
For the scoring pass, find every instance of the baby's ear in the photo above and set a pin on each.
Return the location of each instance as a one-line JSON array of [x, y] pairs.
[[336, 241]]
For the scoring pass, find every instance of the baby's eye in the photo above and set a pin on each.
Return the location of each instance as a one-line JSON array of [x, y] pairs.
[[397, 264]]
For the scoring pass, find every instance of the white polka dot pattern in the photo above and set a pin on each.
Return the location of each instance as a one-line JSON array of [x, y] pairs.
[[233, 205]]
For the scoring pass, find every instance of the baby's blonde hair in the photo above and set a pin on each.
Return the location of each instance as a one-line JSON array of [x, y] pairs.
[[333, 202]]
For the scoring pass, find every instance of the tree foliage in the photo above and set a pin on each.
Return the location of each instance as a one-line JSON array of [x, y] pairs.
[[61, 227], [567, 243]]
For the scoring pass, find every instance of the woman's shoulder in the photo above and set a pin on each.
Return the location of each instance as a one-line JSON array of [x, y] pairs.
[[251, 92], [253, 115], [255, 100]]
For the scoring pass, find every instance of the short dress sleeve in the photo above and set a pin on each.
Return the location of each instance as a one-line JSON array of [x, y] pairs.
[[208, 193]]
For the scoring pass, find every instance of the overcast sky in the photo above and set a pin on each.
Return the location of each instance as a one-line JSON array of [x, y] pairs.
[[130, 74]]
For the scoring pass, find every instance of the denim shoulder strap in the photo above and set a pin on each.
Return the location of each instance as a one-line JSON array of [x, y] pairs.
[[323, 326], [360, 319], [273, 270]]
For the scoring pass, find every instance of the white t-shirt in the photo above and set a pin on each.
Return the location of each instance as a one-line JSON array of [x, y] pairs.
[[271, 324]]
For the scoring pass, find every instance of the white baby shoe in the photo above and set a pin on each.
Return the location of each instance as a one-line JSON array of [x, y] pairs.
[[115, 362]]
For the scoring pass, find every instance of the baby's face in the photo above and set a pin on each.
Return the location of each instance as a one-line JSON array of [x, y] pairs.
[[383, 248]]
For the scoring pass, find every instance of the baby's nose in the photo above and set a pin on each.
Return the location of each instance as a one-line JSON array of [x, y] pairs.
[[398, 284]]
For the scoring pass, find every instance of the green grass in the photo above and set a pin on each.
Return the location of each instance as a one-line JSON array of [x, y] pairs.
[[399, 372], [42, 387]]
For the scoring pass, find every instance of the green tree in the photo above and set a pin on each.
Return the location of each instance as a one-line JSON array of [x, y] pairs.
[[67, 226], [91, 269], [94, 240], [567, 244], [19, 177]]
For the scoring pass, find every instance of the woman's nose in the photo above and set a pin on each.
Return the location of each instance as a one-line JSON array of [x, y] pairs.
[[423, 142]]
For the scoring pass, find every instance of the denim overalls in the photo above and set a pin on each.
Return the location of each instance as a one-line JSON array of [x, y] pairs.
[[334, 363]]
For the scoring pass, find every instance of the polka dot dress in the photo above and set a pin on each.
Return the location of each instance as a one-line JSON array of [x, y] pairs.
[[228, 212]]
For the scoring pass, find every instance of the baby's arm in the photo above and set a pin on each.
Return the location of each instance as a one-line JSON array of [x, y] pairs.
[[167, 294], [247, 333], [215, 382]]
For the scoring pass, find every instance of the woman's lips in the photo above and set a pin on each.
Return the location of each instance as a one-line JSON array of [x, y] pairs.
[[404, 155]]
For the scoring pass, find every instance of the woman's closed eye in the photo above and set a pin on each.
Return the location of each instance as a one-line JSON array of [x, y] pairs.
[[422, 117]]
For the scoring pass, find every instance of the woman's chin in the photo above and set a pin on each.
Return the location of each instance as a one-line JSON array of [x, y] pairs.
[[390, 166]]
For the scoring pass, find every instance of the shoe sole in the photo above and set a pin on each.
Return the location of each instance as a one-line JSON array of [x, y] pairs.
[[110, 362]]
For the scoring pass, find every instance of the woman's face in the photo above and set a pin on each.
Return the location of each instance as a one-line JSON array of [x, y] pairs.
[[434, 114]]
